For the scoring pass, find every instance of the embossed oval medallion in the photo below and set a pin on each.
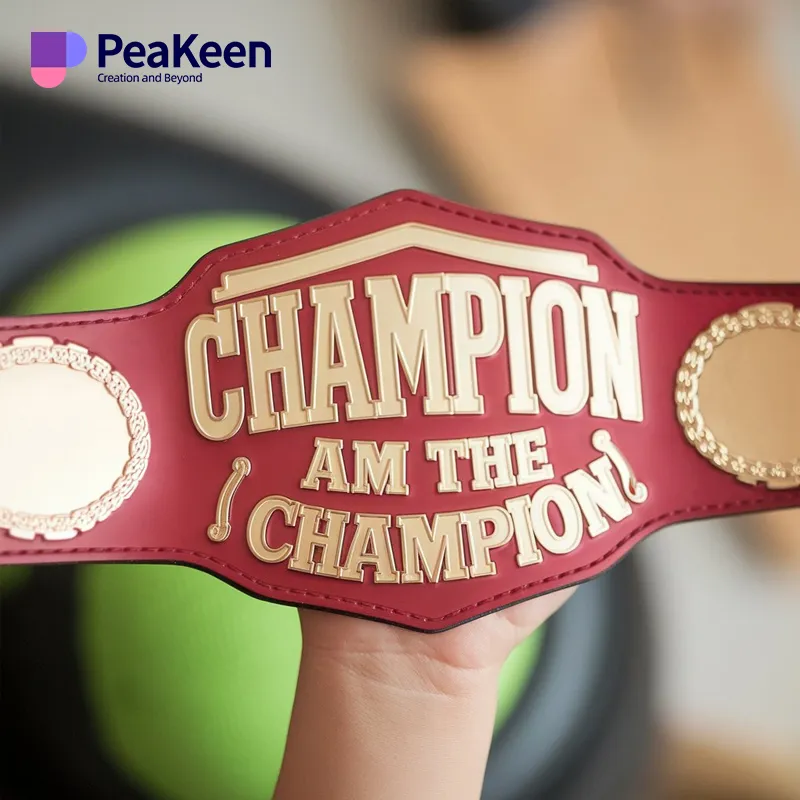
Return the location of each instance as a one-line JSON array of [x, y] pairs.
[[737, 396], [74, 439]]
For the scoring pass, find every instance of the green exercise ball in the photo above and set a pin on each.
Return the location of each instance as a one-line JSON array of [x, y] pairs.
[[189, 682], [12, 577]]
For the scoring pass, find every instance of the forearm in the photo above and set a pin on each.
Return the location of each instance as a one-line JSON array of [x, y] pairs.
[[368, 727]]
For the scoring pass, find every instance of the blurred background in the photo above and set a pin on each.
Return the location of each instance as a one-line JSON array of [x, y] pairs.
[[670, 127]]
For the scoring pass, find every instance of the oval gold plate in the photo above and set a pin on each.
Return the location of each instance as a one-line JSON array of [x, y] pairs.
[[775, 474]]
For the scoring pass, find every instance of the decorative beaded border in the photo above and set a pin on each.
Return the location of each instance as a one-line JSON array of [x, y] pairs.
[[776, 475], [42, 350]]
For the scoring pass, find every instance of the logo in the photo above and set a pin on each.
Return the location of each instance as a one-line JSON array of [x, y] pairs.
[[156, 59], [183, 51], [52, 53]]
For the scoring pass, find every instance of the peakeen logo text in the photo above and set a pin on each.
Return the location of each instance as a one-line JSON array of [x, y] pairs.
[[158, 59]]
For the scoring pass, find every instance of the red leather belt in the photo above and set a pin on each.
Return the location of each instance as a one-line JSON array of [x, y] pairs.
[[410, 411]]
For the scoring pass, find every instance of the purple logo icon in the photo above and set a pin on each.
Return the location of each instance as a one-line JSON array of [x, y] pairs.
[[52, 52]]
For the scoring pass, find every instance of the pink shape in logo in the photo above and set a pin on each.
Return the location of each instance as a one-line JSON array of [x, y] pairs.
[[52, 53]]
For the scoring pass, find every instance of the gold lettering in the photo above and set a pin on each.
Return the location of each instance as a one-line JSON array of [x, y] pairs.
[[284, 359], [221, 328], [310, 538], [598, 493], [499, 459], [527, 550], [258, 524], [482, 540], [337, 356], [614, 354], [532, 462], [548, 296], [445, 453], [327, 465], [427, 549], [382, 471], [371, 545], [569, 510], [468, 344], [405, 337], [516, 291]]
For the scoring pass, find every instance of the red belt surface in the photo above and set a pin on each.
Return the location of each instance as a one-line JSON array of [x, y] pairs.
[[410, 410]]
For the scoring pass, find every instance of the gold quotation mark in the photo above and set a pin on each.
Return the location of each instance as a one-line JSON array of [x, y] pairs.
[[221, 529]]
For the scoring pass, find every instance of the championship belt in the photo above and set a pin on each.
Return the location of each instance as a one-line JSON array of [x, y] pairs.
[[410, 411]]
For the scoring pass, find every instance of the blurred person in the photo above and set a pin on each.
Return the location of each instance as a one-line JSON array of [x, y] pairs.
[[708, 8]]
